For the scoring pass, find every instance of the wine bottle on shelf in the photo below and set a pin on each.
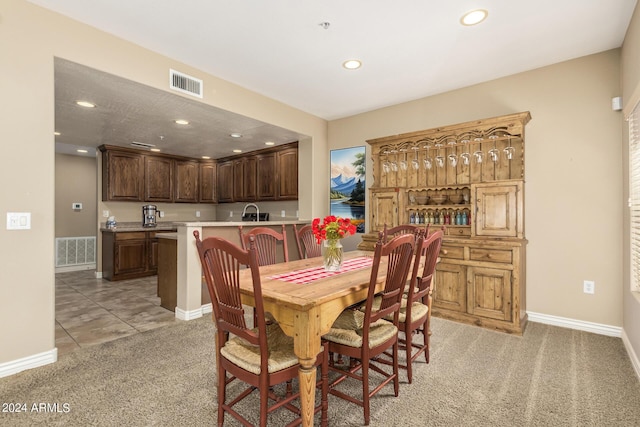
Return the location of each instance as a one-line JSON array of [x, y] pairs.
[[458, 218], [412, 218]]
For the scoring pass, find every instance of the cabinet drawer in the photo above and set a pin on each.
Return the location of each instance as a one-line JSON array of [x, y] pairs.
[[452, 252], [491, 255], [131, 235], [458, 231]]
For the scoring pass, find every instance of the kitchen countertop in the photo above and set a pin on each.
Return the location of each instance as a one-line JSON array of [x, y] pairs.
[[136, 226], [171, 226], [244, 223]]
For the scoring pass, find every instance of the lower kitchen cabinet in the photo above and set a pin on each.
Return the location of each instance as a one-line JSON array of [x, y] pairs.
[[127, 255], [482, 283]]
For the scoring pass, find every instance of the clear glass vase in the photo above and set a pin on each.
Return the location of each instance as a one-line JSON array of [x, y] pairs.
[[332, 254]]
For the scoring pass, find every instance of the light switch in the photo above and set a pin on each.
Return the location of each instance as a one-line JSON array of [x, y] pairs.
[[76, 206], [18, 220]]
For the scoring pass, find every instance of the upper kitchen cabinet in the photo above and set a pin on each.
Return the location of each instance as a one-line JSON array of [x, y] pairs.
[[266, 167], [158, 179], [208, 183], [122, 176], [186, 181], [269, 174], [287, 174], [130, 175], [225, 181]]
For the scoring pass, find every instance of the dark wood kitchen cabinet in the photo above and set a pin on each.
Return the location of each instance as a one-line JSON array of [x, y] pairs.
[[287, 174], [122, 176], [129, 254], [186, 181], [225, 181], [266, 176], [158, 179], [208, 192], [269, 174]]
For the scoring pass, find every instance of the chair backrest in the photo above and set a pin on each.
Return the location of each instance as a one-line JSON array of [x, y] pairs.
[[399, 252], [266, 242], [430, 249], [308, 246], [221, 264], [399, 230]]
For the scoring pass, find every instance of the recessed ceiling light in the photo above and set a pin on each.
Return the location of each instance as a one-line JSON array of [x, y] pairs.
[[352, 64], [474, 17], [269, 143], [237, 151], [86, 104], [206, 157], [235, 135], [154, 149], [80, 150], [182, 122]]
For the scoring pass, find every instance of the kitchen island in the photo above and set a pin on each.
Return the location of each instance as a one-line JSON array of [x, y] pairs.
[[189, 272]]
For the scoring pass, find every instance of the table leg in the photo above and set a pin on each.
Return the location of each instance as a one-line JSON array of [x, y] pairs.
[[307, 379]]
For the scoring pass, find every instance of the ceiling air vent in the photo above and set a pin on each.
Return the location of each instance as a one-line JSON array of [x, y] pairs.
[[184, 83], [142, 145]]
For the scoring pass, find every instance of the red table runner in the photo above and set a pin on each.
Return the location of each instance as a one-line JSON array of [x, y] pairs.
[[309, 275]]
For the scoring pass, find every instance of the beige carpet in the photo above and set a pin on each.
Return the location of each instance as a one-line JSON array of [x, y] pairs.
[[165, 377]]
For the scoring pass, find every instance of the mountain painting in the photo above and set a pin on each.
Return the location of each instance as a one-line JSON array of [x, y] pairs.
[[348, 189]]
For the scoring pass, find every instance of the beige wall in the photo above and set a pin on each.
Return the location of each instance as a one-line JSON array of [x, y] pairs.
[[27, 115], [76, 181], [630, 60], [573, 206]]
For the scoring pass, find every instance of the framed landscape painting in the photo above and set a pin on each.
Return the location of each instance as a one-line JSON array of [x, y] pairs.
[[348, 189]]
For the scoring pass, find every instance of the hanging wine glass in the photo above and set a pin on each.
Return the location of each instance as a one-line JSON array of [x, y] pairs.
[[509, 151], [403, 162], [439, 156], [494, 153], [385, 164], [465, 156], [453, 157], [394, 165], [428, 161], [478, 156], [415, 164]]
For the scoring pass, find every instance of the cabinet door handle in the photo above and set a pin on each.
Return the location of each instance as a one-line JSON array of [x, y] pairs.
[[444, 251]]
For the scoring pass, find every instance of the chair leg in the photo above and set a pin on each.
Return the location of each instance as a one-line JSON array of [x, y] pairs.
[[408, 337], [396, 381], [365, 390], [427, 338], [264, 405], [222, 377]]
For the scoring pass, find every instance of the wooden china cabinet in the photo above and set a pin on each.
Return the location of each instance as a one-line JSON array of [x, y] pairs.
[[469, 179]]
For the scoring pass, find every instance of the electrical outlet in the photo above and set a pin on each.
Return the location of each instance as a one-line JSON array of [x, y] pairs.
[[230, 214], [283, 214], [161, 214], [197, 214], [105, 214], [589, 287]]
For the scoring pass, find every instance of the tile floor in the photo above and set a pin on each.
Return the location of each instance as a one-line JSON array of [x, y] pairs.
[[91, 311]]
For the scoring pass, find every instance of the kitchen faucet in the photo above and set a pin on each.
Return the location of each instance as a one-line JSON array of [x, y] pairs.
[[244, 211]]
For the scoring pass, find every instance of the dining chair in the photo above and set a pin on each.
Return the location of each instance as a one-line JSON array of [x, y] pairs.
[[363, 336], [261, 357], [415, 315], [266, 241], [398, 230], [308, 246]]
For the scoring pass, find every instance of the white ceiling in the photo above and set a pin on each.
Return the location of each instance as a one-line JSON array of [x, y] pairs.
[[410, 48]]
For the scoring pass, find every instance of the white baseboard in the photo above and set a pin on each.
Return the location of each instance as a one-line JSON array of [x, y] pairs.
[[635, 362], [193, 314], [596, 328], [81, 267], [29, 362], [98, 274]]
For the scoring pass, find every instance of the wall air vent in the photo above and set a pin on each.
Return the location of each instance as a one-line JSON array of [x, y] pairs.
[[142, 145], [185, 84]]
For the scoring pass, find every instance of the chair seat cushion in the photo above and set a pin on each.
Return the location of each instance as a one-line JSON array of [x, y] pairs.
[[347, 330], [418, 311], [247, 356]]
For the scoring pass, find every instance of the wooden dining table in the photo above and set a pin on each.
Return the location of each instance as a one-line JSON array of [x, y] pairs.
[[306, 310]]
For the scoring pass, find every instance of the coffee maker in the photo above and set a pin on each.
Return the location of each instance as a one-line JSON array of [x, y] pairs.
[[149, 215]]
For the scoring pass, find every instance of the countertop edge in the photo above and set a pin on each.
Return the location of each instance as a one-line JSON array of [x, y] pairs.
[[238, 223]]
